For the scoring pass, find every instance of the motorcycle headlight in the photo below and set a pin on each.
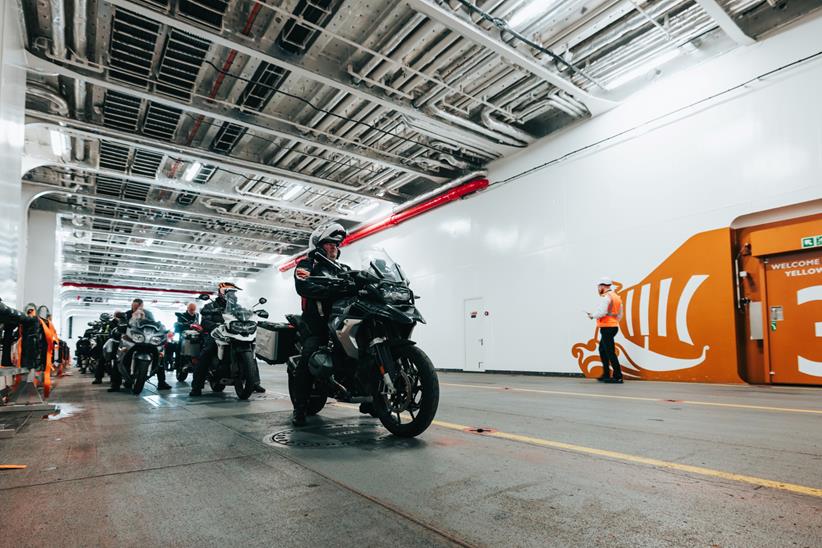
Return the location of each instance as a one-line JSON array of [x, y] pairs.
[[396, 294], [156, 340], [137, 337], [242, 328]]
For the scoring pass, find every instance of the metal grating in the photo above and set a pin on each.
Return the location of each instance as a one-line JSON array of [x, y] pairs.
[[161, 121], [121, 111], [181, 62], [205, 174], [114, 156], [132, 48], [208, 12], [109, 186], [146, 163]]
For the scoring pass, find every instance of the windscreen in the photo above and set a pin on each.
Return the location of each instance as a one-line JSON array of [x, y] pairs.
[[379, 263]]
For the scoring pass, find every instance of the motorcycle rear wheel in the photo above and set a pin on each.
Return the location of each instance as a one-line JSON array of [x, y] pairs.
[[182, 373], [417, 379], [244, 386]]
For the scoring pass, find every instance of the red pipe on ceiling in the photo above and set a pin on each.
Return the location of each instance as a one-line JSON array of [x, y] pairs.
[[133, 288], [400, 217]]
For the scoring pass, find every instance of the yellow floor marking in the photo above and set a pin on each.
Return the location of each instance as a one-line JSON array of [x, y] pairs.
[[709, 472], [637, 398]]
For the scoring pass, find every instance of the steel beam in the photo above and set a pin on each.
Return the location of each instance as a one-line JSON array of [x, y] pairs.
[[236, 116], [227, 163], [188, 212], [186, 253], [127, 262], [474, 33], [331, 75], [725, 22]]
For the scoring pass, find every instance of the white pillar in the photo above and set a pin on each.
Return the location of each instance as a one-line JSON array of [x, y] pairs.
[[12, 135], [40, 255]]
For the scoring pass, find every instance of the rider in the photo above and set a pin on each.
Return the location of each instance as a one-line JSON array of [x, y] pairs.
[[184, 322], [116, 377], [316, 281], [211, 316]]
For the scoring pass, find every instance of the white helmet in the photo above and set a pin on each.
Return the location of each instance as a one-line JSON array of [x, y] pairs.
[[327, 233], [604, 281]]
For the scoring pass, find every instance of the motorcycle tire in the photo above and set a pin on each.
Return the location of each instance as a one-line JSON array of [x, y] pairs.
[[316, 401], [244, 386], [140, 378], [414, 361], [216, 387]]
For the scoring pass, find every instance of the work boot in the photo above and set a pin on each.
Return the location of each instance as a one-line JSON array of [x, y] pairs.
[[163, 386], [113, 389], [367, 408], [259, 389], [298, 417], [195, 393], [604, 378], [615, 380], [97, 381]]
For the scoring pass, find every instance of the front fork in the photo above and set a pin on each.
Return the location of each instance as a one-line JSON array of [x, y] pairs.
[[385, 363]]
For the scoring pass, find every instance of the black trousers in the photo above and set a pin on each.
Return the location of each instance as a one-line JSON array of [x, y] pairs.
[[208, 353], [607, 352]]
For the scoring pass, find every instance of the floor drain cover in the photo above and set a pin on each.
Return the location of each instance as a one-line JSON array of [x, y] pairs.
[[328, 435]]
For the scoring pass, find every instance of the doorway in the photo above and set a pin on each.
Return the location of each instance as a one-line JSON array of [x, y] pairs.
[[793, 317], [475, 318]]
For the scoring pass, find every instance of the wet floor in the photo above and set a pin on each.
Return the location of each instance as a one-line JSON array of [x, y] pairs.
[[510, 461]]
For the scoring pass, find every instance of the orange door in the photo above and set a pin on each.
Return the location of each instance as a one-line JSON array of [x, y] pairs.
[[794, 317]]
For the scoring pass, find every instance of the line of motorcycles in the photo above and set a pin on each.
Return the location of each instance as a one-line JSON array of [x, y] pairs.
[[369, 359], [140, 347]]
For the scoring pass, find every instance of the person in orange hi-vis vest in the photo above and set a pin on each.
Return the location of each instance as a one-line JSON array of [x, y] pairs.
[[608, 314], [50, 335]]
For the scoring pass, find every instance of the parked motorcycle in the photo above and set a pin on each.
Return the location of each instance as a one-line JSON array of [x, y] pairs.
[[371, 358], [188, 346], [140, 352], [236, 364]]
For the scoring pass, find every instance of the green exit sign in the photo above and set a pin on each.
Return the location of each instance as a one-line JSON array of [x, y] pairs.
[[811, 241]]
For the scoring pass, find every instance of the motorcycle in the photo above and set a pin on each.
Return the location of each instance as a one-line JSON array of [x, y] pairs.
[[370, 358], [83, 354], [236, 364], [140, 352], [188, 346]]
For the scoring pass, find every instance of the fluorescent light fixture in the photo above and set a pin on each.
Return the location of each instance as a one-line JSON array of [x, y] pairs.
[[643, 69], [528, 12], [192, 171], [59, 142], [293, 192]]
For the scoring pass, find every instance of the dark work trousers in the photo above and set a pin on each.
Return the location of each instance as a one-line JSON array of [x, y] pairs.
[[607, 352], [302, 376], [8, 341], [208, 353]]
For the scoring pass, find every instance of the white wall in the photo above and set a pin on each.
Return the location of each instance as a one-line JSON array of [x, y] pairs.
[[12, 117], [534, 248]]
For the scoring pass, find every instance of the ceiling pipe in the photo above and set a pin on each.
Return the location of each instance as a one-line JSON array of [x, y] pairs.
[[59, 103], [58, 29], [133, 288], [455, 190], [506, 129]]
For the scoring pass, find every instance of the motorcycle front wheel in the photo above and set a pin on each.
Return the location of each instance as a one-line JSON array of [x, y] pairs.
[[140, 377], [182, 370], [409, 412], [244, 386]]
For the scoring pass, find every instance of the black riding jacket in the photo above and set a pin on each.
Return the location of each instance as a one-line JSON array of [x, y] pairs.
[[212, 314], [320, 290]]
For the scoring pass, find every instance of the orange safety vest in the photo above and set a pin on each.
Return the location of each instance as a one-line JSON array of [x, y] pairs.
[[614, 311]]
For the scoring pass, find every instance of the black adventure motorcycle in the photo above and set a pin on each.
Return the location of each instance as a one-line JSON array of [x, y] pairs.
[[370, 358]]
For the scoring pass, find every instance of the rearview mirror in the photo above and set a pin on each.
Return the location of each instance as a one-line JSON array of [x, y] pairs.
[[262, 300], [263, 314], [90, 323], [204, 297]]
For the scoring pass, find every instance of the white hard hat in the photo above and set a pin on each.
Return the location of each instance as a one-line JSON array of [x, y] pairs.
[[604, 281]]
